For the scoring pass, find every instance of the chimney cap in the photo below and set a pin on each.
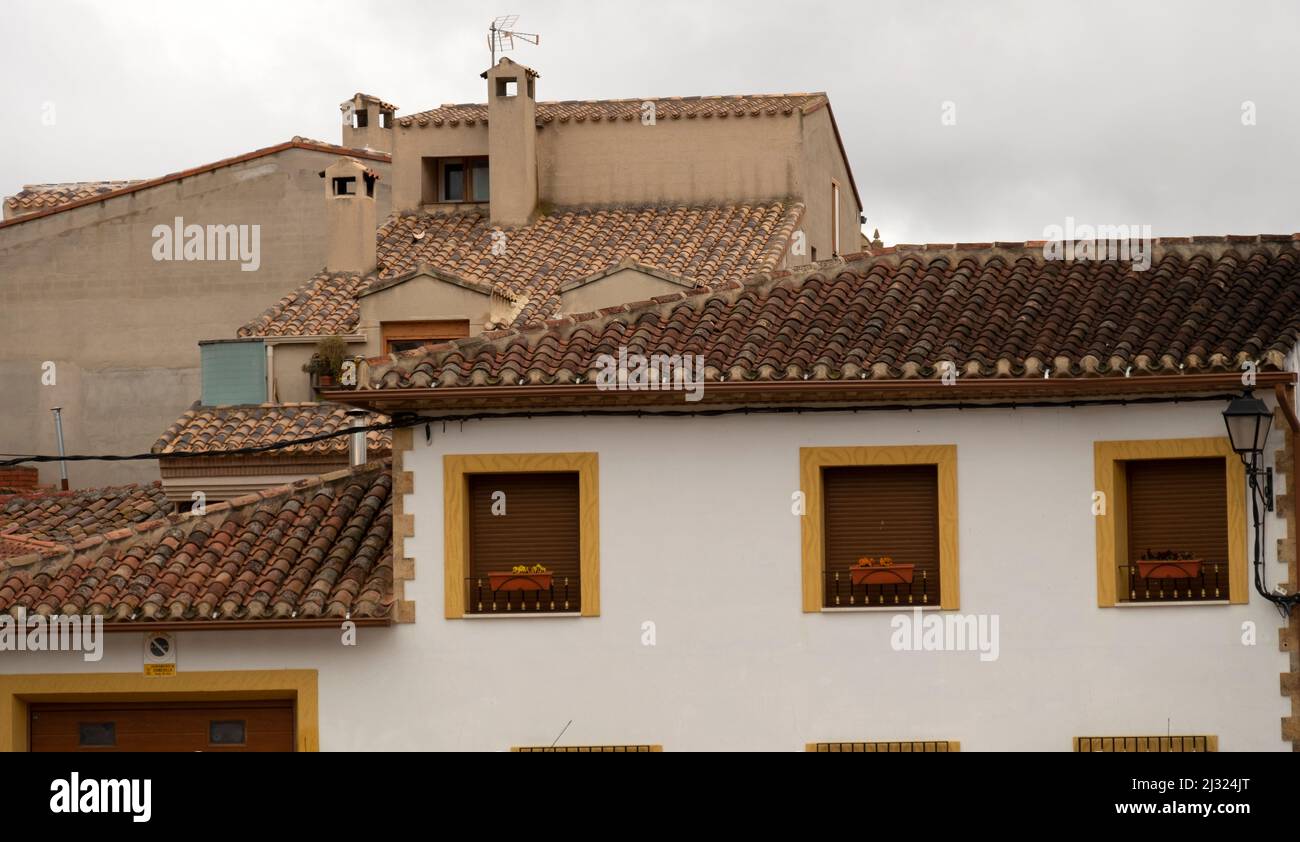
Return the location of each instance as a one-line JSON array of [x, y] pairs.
[[532, 74]]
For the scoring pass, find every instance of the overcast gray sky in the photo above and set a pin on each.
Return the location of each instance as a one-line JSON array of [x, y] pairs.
[[1111, 113]]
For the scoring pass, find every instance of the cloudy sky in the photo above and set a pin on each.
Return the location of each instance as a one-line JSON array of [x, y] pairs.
[[1106, 112]]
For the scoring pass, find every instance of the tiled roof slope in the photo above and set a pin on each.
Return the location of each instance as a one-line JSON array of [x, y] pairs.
[[36, 197], [217, 429], [706, 244], [67, 516], [1205, 304], [612, 110], [320, 549]]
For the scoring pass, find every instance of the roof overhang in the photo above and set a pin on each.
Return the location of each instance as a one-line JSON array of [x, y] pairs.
[[972, 392]]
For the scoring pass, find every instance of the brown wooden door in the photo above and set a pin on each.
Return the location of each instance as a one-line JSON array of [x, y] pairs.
[[155, 726]]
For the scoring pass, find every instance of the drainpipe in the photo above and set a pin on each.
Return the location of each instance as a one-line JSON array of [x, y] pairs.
[[357, 441], [58, 432]]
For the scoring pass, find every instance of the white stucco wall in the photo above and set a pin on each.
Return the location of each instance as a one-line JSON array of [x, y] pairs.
[[690, 508]]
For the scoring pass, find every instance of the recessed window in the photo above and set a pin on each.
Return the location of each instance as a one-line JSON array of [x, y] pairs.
[[226, 732], [407, 336], [888, 746], [96, 734], [1171, 522], [882, 535], [521, 534], [461, 179], [1147, 744], [879, 527]]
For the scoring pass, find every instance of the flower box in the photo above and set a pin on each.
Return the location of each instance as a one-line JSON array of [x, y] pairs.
[[1184, 568], [896, 574], [519, 581]]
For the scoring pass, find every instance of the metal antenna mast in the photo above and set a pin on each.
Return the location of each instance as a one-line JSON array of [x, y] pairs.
[[501, 35]]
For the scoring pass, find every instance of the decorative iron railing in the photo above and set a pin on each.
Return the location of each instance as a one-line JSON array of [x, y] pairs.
[[500, 593], [882, 586], [1169, 582]]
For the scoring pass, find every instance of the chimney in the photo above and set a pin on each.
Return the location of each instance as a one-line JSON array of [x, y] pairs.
[[357, 441], [512, 142], [368, 123], [350, 216]]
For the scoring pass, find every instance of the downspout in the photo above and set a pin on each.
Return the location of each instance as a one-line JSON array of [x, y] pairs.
[[58, 433]]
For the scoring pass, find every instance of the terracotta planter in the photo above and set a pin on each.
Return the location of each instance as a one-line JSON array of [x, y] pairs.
[[1173, 569], [324, 381], [898, 574], [519, 581]]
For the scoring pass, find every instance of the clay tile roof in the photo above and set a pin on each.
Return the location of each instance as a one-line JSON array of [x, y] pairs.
[[385, 106], [67, 516], [610, 110], [993, 311], [216, 429], [704, 244], [38, 197], [319, 550]]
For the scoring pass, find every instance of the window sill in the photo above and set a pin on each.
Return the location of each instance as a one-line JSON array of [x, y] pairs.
[[1171, 603], [519, 615]]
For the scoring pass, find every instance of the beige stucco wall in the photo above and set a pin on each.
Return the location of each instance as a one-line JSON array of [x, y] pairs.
[[81, 289], [412, 145], [417, 299], [292, 384], [821, 162], [621, 287]]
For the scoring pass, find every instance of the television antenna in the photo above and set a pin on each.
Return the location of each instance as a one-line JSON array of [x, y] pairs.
[[502, 35]]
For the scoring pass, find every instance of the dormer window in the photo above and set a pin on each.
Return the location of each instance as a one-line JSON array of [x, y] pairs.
[[459, 179]]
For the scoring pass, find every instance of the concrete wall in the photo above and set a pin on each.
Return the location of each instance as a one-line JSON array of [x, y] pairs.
[[292, 384], [753, 671], [619, 287], [81, 289], [821, 162]]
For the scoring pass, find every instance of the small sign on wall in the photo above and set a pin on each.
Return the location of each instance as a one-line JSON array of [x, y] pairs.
[[159, 655]]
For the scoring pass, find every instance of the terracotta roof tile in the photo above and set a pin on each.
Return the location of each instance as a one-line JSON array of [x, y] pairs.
[[612, 110], [704, 244], [37, 197], [67, 516], [320, 550], [994, 312], [216, 429]]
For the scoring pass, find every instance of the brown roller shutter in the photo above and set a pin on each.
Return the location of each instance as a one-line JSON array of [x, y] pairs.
[[1180, 504], [882, 510], [540, 526]]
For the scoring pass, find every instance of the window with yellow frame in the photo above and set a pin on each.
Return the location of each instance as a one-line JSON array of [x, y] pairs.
[[1171, 522], [837, 482]]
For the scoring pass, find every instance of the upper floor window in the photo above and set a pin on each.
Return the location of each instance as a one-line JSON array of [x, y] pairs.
[[406, 336], [879, 527], [460, 179], [1171, 522]]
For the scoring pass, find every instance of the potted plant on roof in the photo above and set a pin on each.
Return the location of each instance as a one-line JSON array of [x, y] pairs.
[[521, 577], [1168, 564], [326, 362], [881, 571]]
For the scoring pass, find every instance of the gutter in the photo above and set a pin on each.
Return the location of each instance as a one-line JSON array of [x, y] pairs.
[[785, 391], [147, 626]]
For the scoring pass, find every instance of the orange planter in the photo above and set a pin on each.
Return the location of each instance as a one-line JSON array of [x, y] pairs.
[[519, 581], [1173, 569], [898, 574]]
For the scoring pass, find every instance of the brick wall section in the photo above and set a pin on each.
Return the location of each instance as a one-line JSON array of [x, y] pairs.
[[19, 478]]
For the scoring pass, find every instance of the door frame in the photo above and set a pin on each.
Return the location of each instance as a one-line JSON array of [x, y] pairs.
[[17, 692]]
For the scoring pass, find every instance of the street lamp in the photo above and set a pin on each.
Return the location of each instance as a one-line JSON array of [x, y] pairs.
[[1248, 419]]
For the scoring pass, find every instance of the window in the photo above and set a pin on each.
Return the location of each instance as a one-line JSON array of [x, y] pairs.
[[460, 179], [521, 534], [1147, 744], [879, 527], [345, 185], [406, 336], [1171, 522], [507, 87], [602, 749], [835, 219], [889, 746], [360, 118]]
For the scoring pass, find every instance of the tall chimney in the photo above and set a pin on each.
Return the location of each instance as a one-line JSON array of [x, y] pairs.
[[512, 142], [58, 433], [368, 123], [350, 216]]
